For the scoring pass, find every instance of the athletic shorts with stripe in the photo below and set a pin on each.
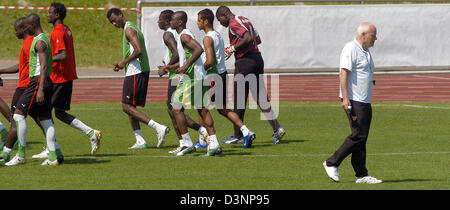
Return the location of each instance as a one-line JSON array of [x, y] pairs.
[[27, 101], [17, 94], [62, 95], [191, 93], [219, 94], [134, 90]]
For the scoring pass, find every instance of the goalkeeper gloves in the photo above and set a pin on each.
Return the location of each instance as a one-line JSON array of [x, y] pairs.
[[229, 50]]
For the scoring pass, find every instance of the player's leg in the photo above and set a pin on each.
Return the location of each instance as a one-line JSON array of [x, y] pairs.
[[44, 153], [213, 144], [264, 103], [220, 99], [178, 104], [25, 103], [11, 139], [186, 141], [202, 132], [7, 114], [8, 139], [44, 113], [244, 67], [135, 94], [140, 141], [61, 99]]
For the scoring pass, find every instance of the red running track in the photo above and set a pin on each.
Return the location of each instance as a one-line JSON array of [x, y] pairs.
[[388, 88]]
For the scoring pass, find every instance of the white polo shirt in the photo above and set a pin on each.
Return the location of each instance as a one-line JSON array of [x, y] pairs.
[[360, 78]]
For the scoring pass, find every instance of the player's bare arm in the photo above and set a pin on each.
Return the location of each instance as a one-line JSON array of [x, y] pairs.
[[40, 48], [132, 37], [61, 56], [190, 43], [170, 42], [343, 75], [10, 70], [209, 52], [244, 42]]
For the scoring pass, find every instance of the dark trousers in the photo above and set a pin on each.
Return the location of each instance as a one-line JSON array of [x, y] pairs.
[[355, 144], [251, 63]]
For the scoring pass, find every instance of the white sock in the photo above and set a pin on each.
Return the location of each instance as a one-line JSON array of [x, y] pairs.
[[181, 141], [244, 130], [202, 130], [213, 141], [21, 129], [187, 139], [153, 124], [139, 137], [7, 150], [76, 123], [49, 130]]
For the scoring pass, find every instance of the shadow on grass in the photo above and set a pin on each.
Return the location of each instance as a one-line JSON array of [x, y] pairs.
[[287, 141], [84, 161], [99, 155], [37, 142], [409, 180]]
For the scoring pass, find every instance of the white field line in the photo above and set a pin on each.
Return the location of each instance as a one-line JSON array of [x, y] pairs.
[[280, 74], [276, 155], [432, 77], [149, 106]]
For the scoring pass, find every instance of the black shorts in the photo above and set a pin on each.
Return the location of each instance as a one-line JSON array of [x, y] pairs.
[[62, 95], [134, 90], [17, 94], [27, 102], [218, 94]]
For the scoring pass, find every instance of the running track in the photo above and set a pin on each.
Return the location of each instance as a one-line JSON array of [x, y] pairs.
[[388, 88]]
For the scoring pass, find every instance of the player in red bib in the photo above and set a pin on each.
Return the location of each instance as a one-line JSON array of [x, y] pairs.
[[244, 42], [24, 79], [64, 72]]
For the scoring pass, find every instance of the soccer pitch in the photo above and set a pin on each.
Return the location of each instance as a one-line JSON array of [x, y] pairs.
[[408, 148]]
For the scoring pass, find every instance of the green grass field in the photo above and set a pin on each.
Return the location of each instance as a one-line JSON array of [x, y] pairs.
[[408, 148]]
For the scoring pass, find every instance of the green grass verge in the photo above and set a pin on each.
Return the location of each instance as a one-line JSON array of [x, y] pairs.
[[97, 42], [408, 148]]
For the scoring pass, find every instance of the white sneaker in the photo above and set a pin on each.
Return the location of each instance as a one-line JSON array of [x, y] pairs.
[[176, 150], [332, 172], [47, 162], [139, 146], [95, 141], [368, 180], [42, 155], [161, 132], [16, 161]]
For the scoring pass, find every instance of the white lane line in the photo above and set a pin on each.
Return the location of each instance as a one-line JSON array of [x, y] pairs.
[[432, 77], [275, 155]]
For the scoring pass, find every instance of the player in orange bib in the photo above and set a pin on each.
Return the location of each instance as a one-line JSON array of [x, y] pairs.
[[64, 72]]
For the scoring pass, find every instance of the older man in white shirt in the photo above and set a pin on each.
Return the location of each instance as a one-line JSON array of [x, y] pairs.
[[356, 81]]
